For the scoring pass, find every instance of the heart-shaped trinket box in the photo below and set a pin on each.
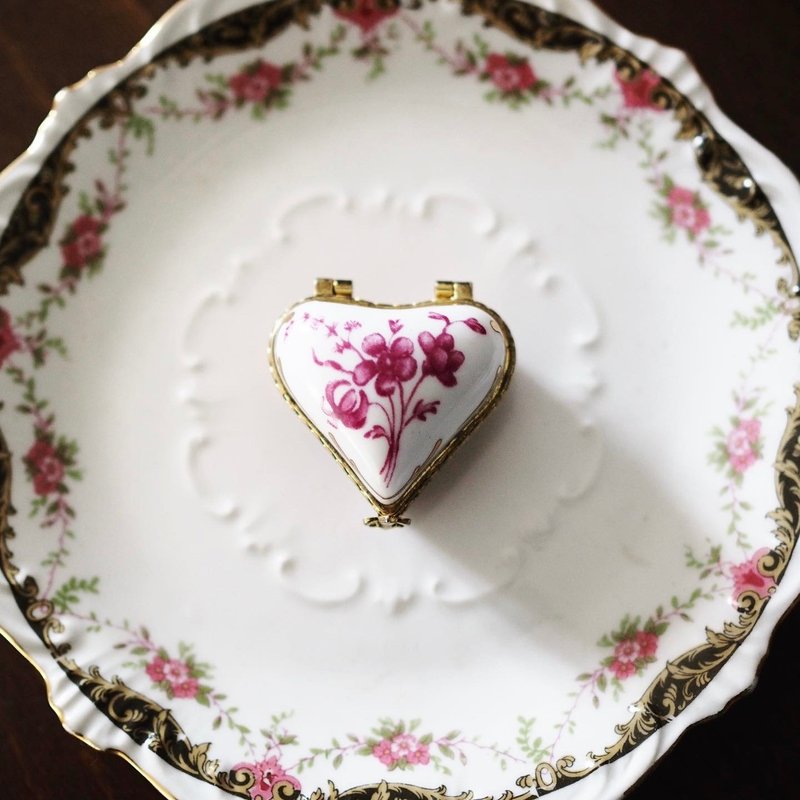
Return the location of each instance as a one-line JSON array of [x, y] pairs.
[[391, 391]]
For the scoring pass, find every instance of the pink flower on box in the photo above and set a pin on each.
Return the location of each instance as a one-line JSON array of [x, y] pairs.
[[742, 443], [386, 375], [9, 343], [510, 74], [392, 363], [637, 92], [345, 405], [366, 14], [441, 360], [46, 468], [748, 578], [256, 81], [82, 243], [268, 772]]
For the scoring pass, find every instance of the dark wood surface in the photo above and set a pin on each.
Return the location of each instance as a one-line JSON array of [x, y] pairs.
[[748, 54]]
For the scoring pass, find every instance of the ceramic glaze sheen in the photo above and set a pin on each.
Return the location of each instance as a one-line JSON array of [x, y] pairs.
[[390, 389]]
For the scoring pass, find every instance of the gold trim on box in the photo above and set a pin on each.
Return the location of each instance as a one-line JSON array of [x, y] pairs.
[[389, 513], [29, 230]]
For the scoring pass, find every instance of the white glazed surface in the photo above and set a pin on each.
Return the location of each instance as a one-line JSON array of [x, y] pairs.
[[578, 542]]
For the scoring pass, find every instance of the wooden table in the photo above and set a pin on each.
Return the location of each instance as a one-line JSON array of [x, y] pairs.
[[748, 54]]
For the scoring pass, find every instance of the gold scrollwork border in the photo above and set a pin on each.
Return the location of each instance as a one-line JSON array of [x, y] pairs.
[[719, 163], [682, 680], [33, 218]]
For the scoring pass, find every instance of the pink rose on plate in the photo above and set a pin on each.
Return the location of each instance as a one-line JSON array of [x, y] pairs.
[[407, 747], [383, 752], [626, 650], [176, 671], [256, 81], [268, 772], [687, 211], [9, 343], [647, 644], [366, 14], [403, 748], [347, 405], [155, 670], [509, 73], [82, 243], [637, 92], [46, 468], [680, 196], [629, 653], [392, 363], [742, 445], [623, 669], [748, 578], [186, 689]]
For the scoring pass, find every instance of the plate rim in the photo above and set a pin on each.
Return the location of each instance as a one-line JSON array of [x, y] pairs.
[[781, 187]]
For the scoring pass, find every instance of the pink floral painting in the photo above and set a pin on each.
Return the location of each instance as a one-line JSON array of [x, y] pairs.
[[82, 244], [255, 82], [747, 577], [176, 673], [638, 92], [383, 381], [388, 377], [687, 211], [638, 648], [683, 210], [743, 445], [45, 467], [181, 678], [737, 447], [404, 748], [510, 73], [365, 14], [9, 341], [268, 772]]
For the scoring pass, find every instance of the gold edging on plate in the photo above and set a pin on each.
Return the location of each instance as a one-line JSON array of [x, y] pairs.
[[37, 208], [29, 230], [31, 223], [82, 738], [719, 163], [389, 513], [145, 721]]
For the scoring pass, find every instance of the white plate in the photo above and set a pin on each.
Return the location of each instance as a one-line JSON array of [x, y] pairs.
[[544, 587]]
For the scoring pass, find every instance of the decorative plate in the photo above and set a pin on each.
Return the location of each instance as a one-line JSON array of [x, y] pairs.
[[602, 562]]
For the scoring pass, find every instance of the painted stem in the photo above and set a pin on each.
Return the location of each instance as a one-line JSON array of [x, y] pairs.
[[462, 67]]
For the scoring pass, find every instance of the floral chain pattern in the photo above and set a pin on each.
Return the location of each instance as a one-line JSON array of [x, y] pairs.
[[260, 86]]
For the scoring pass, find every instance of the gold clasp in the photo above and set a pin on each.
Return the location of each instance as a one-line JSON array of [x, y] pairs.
[[387, 521], [453, 290], [333, 287]]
